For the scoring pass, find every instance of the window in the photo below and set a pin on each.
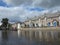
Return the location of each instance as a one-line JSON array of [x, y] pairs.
[[54, 23], [48, 24]]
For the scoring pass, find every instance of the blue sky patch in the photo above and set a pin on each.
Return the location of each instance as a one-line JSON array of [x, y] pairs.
[[35, 9], [3, 3]]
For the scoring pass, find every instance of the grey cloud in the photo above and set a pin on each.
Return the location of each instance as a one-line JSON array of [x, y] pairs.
[[48, 3], [35, 3], [18, 2], [54, 3]]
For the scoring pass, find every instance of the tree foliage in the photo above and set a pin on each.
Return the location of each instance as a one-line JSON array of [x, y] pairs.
[[4, 22]]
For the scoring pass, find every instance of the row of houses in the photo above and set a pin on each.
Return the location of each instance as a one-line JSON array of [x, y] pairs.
[[46, 20]]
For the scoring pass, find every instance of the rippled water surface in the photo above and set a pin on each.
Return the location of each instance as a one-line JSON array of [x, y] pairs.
[[24, 38]]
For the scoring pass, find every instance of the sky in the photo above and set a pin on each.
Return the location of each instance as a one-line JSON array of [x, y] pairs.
[[20, 10]]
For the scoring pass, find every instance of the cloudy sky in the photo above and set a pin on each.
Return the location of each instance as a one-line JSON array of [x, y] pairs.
[[19, 10]]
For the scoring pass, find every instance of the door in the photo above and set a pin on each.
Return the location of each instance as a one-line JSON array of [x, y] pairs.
[[54, 23], [48, 24]]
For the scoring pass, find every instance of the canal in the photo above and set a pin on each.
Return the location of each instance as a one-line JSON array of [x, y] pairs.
[[29, 37]]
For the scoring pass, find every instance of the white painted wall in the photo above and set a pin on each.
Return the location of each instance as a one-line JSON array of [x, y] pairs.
[[18, 26], [59, 20], [45, 22], [39, 23]]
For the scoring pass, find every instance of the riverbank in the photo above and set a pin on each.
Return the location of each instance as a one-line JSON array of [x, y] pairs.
[[43, 28]]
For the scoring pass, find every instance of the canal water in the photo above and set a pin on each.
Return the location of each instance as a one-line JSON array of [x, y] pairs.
[[29, 37]]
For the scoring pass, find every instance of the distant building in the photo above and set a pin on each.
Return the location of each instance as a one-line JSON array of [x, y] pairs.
[[14, 26], [44, 20], [18, 25]]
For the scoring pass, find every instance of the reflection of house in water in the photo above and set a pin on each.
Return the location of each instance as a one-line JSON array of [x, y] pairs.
[[44, 20]]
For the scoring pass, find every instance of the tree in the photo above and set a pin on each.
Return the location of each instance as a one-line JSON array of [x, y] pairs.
[[4, 22]]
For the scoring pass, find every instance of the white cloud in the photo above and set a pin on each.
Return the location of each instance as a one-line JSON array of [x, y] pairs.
[[18, 11]]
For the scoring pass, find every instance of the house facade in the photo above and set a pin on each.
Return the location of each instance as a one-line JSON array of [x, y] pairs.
[[43, 21]]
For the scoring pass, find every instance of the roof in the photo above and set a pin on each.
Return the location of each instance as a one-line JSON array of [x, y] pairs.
[[48, 15]]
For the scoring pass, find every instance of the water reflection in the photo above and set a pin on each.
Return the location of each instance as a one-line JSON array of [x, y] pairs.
[[18, 33], [41, 35], [28, 37], [4, 35]]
